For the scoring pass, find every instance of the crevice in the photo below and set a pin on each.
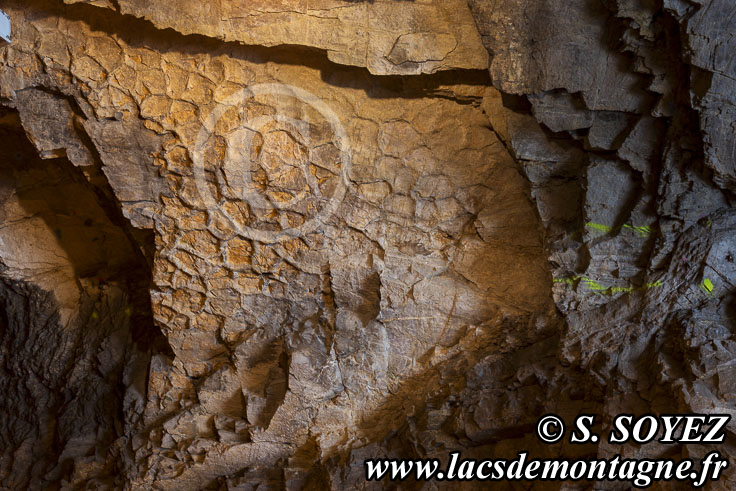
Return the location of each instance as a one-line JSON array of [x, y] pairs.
[[139, 32]]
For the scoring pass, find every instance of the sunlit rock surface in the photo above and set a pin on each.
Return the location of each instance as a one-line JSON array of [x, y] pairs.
[[385, 36], [230, 259]]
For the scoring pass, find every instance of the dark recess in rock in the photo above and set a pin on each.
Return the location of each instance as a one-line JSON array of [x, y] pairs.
[[72, 384]]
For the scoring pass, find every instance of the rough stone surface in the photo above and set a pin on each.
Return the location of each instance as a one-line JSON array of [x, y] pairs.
[[387, 37], [631, 177], [474, 251]]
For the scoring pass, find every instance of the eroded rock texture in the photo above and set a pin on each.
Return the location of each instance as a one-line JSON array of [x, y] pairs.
[[385, 36], [452, 247]]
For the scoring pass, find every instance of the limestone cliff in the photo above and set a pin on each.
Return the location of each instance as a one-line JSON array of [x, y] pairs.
[[251, 244]]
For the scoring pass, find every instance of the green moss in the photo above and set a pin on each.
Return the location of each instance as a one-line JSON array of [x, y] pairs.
[[707, 286], [593, 285], [641, 230], [569, 281], [621, 289], [603, 290], [598, 226]]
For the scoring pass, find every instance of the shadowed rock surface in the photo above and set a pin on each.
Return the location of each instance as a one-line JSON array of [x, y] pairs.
[[452, 246]]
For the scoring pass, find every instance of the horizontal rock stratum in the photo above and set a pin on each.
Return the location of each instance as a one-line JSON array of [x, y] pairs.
[[387, 37]]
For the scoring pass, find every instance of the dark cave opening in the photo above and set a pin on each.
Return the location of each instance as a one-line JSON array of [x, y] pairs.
[[76, 327]]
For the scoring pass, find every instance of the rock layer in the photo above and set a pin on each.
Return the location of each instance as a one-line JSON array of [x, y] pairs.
[[384, 36]]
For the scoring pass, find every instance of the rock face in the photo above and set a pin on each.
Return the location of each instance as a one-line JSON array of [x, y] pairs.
[[384, 36], [229, 260]]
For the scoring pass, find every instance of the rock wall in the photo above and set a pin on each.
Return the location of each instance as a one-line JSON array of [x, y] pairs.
[[255, 243]]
